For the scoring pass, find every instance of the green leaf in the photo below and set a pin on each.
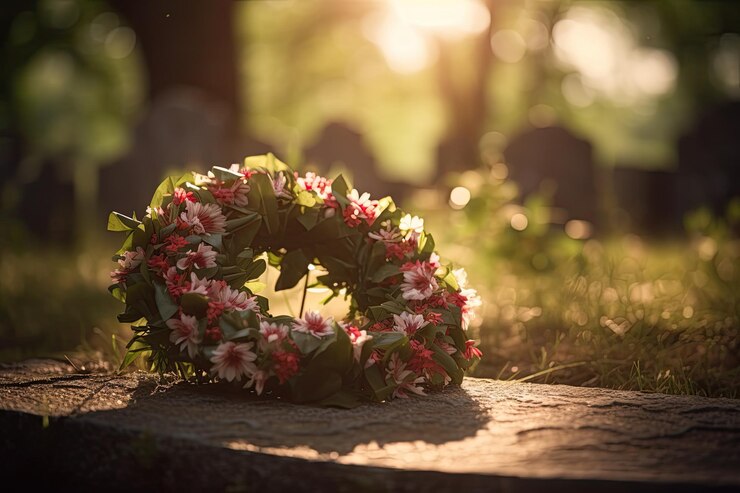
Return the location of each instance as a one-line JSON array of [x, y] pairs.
[[267, 161], [167, 187], [256, 269], [449, 364], [376, 380], [384, 272], [451, 281], [269, 204], [305, 198], [165, 304], [255, 286], [315, 384], [344, 399], [309, 218], [293, 268], [238, 222], [131, 356], [194, 304], [215, 240], [340, 188], [388, 340], [306, 343], [119, 222]]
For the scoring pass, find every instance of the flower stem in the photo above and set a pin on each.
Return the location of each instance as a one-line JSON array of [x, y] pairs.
[[303, 298]]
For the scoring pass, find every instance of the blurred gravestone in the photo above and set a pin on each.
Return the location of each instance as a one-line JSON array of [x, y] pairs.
[[553, 157], [190, 56], [340, 145], [182, 129], [646, 196], [709, 161]]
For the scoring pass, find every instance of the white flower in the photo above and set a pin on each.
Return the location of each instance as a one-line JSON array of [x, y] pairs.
[[316, 325], [231, 361], [204, 218], [202, 258], [471, 296], [272, 332], [415, 223], [185, 333], [468, 310], [131, 260], [357, 337], [434, 261], [408, 323], [404, 379], [418, 282]]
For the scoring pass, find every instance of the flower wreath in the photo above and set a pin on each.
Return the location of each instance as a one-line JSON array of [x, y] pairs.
[[185, 271]]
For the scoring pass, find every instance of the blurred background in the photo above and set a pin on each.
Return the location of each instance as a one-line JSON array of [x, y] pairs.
[[579, 158]]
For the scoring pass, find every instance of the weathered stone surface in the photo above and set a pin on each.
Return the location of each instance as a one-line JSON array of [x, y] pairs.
[[123, 431]]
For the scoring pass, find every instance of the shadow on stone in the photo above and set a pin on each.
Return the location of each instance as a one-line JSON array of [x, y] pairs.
[[223, 417]]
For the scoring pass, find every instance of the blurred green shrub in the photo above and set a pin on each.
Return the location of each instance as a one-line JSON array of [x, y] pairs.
[[561, 305]]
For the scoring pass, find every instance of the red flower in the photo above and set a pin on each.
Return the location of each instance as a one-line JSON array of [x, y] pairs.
[[174, 243], [158, 262], [285, 364], [214, 334], [215, 309], [434, 318], [471, 351], [181, 195]]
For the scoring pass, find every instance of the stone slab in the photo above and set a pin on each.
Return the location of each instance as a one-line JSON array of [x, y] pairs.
[[61, 428]]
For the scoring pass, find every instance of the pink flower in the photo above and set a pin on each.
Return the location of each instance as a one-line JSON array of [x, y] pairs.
[[172, 279], [316, 325], [360, 208], [404, 380], [185, 333], [235, 194], [232, 299], [408, 323], [203, 258], [198, 285], [181, 195], [272, 332], [278, 186], [203, 218], [418, 281], [131, 260], [257, 381], [315, 183], [387, 234], [231, 361]]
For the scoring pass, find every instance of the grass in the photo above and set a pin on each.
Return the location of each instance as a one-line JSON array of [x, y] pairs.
[[619, 311]]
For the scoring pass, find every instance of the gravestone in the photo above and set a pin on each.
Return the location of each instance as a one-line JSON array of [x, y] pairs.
[[709, 161], [555, 158], [648, 199], [135, 431], [338, 144]]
